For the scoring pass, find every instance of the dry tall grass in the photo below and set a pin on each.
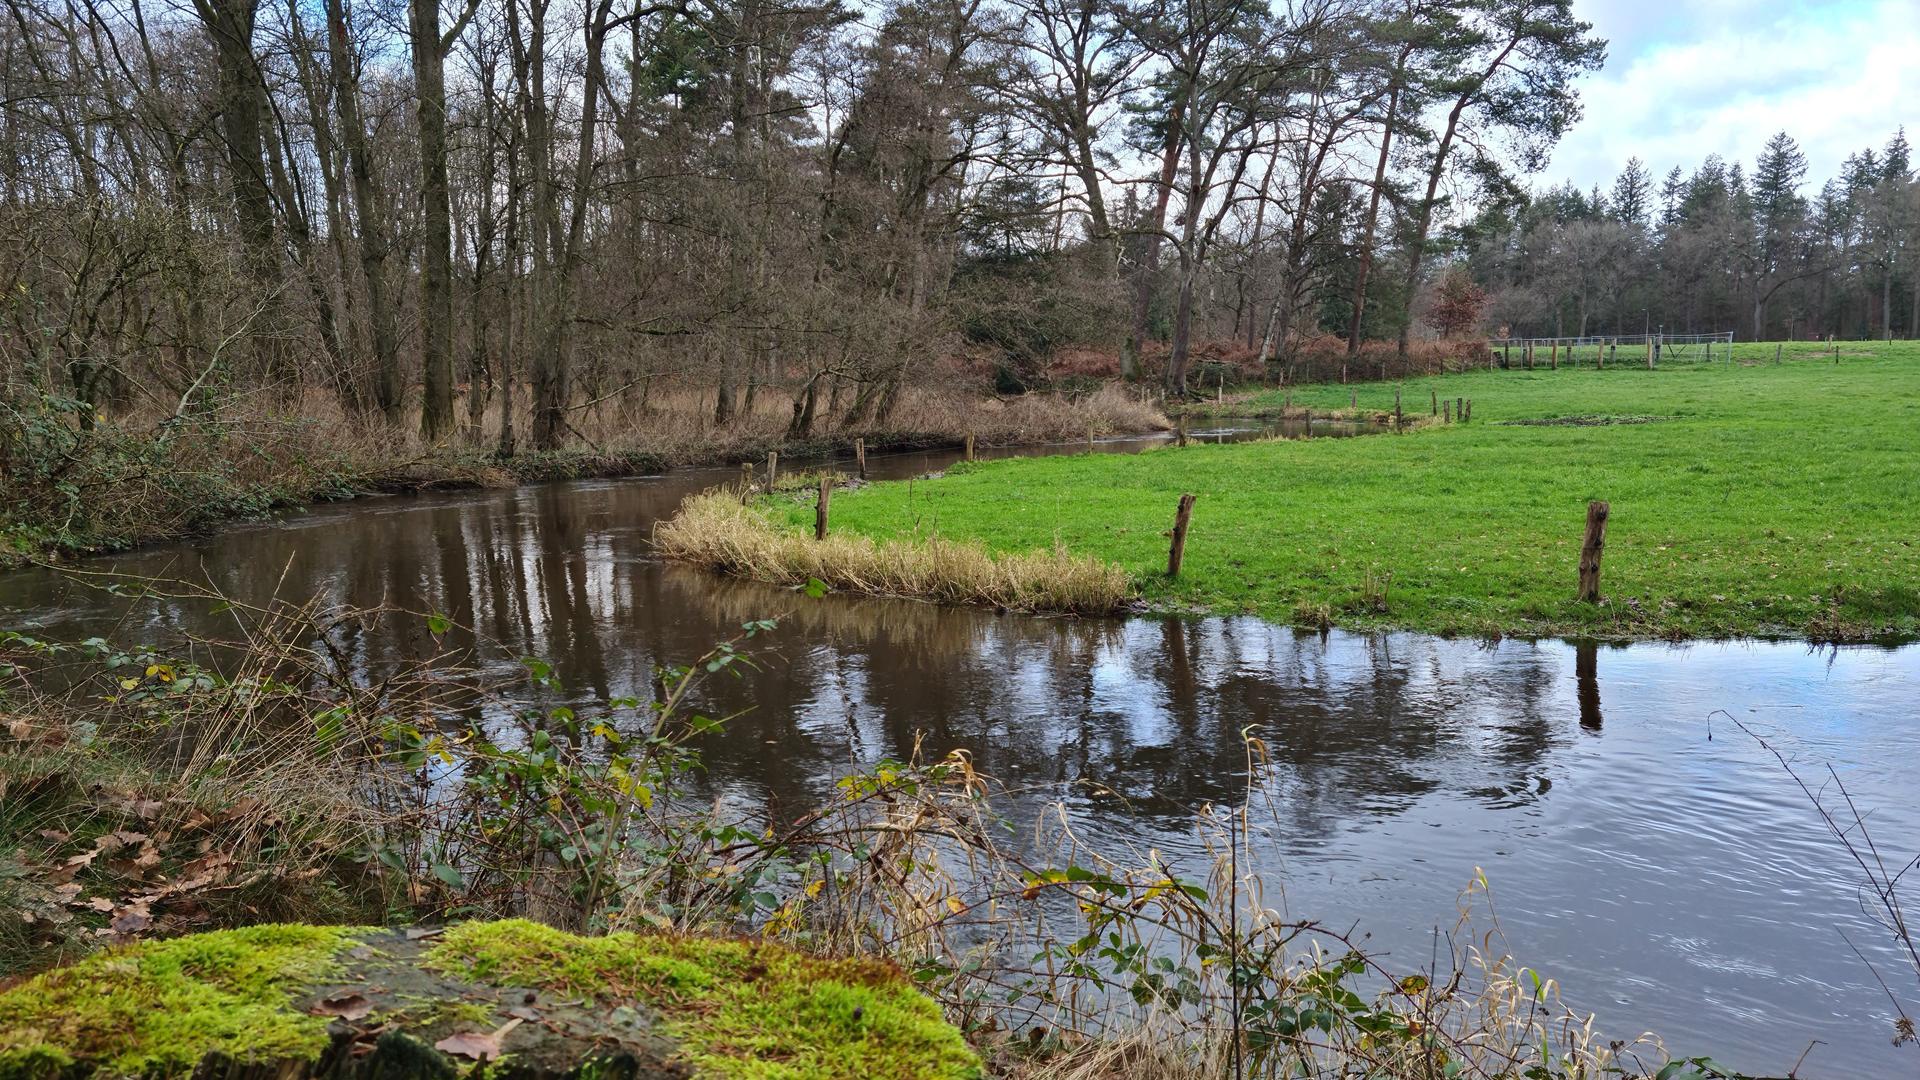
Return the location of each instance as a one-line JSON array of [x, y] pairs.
[[714, 531]]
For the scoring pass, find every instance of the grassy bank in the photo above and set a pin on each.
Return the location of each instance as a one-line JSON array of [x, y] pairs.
[[1748, 499], [69, 489]]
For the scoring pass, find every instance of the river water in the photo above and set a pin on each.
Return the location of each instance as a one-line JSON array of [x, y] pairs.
[[1640, 848]]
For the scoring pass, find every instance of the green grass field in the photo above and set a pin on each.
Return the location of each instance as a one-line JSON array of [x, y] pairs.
[[1764, 500]]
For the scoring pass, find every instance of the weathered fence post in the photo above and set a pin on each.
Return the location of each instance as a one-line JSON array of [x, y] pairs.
[[1649, 354], [773, 467], [1089, 438], [1529, 356], [1177, 553], [1836, 354], [1590, 550], [1553, 356], [966, 447], [1777, 346], [1396, 408], [1446, 416], [1460, 409], [1307, 432], [820, 508], [746, 481], [1434, 396], [860, 457], [1180, 430]]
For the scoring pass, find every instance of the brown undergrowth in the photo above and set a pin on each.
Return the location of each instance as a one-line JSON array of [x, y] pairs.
[[71, 484]]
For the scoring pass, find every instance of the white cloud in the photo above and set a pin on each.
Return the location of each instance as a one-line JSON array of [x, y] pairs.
[[1688, 80]]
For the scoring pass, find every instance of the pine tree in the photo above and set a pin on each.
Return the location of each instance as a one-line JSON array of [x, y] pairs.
[[1777, 205], [1673, 192], [1631, 191], [1898, 158]]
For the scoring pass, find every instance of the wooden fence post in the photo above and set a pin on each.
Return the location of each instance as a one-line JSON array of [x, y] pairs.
[[820, 508], [1649, 354], [1396, 408], [1590, 550], [1447, 414], [1089, 438], [1177, 553], [773, 467], [1180, 430], [1460, 409], [746, 481], [1307, 432], [1553, 356], [966, 447], [1777, 346], [1434, 396], [860, 457], [1836, 354]]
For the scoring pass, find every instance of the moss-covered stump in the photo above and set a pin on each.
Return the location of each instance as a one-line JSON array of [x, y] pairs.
[[530, 1002]]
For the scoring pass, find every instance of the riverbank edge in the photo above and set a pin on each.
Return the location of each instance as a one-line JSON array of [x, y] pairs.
[[786, 544], [462, 470]]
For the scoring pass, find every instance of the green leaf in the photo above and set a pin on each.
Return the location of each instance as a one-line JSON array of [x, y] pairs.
[[815, 588], [438, 624]]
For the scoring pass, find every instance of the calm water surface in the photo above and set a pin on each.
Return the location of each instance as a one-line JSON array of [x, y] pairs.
[[1640, 849]]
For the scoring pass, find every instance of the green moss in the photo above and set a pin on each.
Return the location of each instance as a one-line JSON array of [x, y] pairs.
[[157, 1008], [741, 1009]]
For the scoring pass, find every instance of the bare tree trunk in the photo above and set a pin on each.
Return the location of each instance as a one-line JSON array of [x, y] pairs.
[[1150, 261], [436, 218], [242, 104], [1365, 270], [389, 391], [552, 363]]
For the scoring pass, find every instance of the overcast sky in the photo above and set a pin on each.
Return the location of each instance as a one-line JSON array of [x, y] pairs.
[[1686, 78]]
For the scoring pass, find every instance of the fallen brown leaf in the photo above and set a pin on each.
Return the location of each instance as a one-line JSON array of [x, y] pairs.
[[470, 1044], [131, 919], [349, 1006], [475, 1045]]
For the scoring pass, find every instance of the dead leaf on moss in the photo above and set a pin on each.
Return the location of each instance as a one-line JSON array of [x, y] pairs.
[[347, 1006], [478, 1046], [470, 1044]]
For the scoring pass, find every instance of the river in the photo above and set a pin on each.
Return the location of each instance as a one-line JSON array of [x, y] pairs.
[[1640, 848]]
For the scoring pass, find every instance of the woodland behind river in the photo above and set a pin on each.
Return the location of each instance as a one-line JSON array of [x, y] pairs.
[[474, 222]]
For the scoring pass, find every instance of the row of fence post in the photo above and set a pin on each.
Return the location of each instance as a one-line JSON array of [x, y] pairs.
[[1592, 546]]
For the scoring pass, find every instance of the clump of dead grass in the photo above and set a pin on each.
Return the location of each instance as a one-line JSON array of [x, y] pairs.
[[714, 531]]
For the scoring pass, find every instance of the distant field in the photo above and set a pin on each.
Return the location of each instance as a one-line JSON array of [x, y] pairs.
[[1749, 498]]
